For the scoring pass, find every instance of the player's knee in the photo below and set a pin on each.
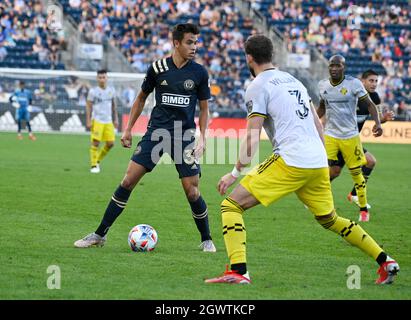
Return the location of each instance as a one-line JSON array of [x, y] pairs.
[[334, 172], [326, 221], [229, 205], [371, 162], [192, 194], [128, 182]]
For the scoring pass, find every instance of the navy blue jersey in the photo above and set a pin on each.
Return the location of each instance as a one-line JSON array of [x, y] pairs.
[[363, 113], [177, 92]]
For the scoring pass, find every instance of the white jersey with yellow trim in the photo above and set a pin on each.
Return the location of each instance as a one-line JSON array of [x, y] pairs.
[[341, 105], [289, 123], [102, 100]]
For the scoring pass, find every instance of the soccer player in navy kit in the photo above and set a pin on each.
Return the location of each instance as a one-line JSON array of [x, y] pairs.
[[179, 83], [370, 80]]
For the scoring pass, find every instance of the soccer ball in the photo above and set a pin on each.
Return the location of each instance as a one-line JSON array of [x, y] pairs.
[[142, 238]]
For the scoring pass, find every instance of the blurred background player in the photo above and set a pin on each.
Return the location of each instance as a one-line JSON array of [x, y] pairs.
[[102, 118], [370, 81], [280, 103], [21, 98], [178, 82], [339, 96]]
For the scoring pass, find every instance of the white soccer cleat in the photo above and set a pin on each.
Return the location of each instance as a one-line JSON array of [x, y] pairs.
[[90, 240], [207, 246], [95, 169]]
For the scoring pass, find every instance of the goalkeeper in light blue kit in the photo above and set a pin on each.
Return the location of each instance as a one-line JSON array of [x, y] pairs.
[[22, 97]]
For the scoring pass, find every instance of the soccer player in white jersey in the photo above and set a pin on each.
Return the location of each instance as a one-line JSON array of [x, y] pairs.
[[102, 118], [280, 103], [339, 96]]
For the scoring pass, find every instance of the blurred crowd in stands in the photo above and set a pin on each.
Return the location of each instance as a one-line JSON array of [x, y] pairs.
[[24, 38], [372, 34]]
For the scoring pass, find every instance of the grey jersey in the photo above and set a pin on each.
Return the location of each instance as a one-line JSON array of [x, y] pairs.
[[340, 106]]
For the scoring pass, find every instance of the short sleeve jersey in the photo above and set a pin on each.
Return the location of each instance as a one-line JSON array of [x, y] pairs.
[[102, 100], [340, 106], [176, 92]]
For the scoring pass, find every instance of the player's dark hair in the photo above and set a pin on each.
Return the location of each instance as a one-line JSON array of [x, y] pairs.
[[182, 28], [260, 48], [102, 71], [368, 73], [21, 82]]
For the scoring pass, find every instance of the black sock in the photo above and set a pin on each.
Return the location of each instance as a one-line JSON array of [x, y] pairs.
[[19, 126], [382, 257], [241, 268], [114, 209], [200, 215], [28, 126]]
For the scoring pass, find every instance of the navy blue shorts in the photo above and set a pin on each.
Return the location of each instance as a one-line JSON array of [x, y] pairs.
[[152, 146]]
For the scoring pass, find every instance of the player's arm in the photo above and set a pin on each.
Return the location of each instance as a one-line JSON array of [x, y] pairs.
[[89, 110], [147, 87], [114, 112], [366, 102], [321, 109], [317, 122], [135, 112], [203, 124], [248, 149]]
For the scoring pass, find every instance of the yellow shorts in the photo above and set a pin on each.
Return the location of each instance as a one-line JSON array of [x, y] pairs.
[[274, 179], [102, 131], [351, 150]]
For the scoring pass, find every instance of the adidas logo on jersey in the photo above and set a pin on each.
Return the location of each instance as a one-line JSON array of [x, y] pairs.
[[164, 83]]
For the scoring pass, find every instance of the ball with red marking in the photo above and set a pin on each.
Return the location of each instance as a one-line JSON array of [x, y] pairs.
[[142, 238]]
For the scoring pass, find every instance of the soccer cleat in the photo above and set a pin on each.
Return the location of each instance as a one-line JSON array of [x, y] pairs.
[[90, 240], [231, 277], [387, 271], [95, 169], [20, 137], [364, 216], [354, 199], [32, 137], [207, 246]]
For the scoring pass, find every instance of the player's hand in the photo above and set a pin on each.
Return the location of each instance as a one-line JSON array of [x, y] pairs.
[[200, 148], [115, 123], [225, 182], [377, 130], [126, 139], [388, 116], [88, 124]]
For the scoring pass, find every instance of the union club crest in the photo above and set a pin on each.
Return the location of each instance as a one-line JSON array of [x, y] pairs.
[[189, 84]]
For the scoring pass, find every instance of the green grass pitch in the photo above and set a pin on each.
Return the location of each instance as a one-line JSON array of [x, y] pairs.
[[49, 199]]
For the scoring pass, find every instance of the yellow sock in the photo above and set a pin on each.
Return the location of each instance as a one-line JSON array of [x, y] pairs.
[[93, 155], [103, 152], [234, 230], [352, 233], [360, 186]]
